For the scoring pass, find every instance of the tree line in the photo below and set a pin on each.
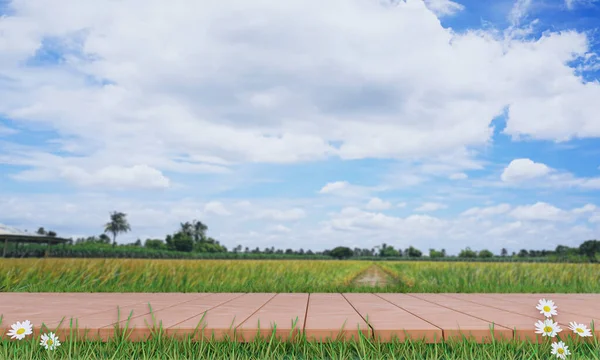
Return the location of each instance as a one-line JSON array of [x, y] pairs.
[[191, 237]]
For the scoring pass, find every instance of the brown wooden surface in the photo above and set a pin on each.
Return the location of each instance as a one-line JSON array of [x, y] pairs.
[[320, 316]]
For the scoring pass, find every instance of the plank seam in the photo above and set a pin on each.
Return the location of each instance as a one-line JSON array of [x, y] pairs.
[[514, 311], [359, 314], [164, 308], [473, 316], [257, 310], [210, 308], [306, 315], [415, 315]]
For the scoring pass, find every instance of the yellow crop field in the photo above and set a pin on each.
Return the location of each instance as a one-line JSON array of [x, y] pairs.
[[143, 275]]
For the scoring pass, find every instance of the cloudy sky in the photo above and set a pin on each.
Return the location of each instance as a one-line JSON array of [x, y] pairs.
[[305, 123]]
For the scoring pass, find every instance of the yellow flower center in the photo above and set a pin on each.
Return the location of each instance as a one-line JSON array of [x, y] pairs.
[[560, 350], [20, 331], [49, 342], [547, 329], [547, 308], [579, 330]]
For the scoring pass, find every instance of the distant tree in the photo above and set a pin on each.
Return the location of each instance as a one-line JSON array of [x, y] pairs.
[[443, 252], [413, 252], [503, 252], [589, 248], [309, 252], [51, 233], [289, 251], [388, 251], [485, 254], [183, 242], [118, 224], [155, 244], [523, 253], [433, 253], [41, 231], [104, 239], [187, 228], [138, 242], [467, 253], [341, 252], [199, 230]]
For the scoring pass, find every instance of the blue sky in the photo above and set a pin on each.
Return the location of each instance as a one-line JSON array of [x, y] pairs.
[[299, 124]]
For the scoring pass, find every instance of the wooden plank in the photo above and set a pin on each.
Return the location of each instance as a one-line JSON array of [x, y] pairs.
[[221, 321], [330, 317], [580, 311], [46, 312], [455, 323], [284, 314], [521, 324], [388, 321], [144, 326]]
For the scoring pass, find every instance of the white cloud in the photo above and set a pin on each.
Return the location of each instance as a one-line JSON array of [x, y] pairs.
[[345, 189], [572, 4], [584, 209], [519, 11], [281, 215], [487, 211], [431, 206], [458, 176], [217, 208], [401, 204], [444, 7], [524, 172], [378, 204], [524, 169], [422, 96], [119, 177], [540, 211]]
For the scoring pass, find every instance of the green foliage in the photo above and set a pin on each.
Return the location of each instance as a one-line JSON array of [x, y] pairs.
[[434, 254], [118, 224], [412, 252], [486, 254], [467, 253], [183, 242], [341, 252], [155, 244], [387, 251], [589, 248]]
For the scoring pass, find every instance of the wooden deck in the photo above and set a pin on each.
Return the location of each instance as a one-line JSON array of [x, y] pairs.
[[321, 316]]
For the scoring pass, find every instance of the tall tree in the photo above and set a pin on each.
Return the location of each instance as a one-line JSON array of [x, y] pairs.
[[199, 231], [118, 224]]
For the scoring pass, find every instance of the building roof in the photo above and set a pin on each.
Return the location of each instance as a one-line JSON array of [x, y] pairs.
[[15, 235]]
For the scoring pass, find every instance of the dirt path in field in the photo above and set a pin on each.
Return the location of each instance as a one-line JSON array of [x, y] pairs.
[[374, 276]]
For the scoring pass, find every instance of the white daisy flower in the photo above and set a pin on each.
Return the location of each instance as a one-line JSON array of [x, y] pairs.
[[547, 328], [50, 341], [20, 330], [580, 329], [546, 307], [560, 350]]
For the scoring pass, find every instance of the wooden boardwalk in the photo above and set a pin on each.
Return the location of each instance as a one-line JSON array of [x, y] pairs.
[[321, 316]]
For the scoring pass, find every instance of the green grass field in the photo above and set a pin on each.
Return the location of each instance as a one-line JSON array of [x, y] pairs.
[[135, 275]]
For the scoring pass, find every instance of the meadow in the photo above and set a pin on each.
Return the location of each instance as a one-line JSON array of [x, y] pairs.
[[141, 275], [161, 275]]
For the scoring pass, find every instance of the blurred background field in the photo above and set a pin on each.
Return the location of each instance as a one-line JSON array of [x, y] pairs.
[[152, 275]]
